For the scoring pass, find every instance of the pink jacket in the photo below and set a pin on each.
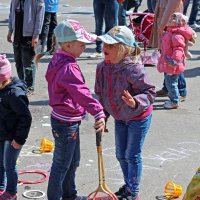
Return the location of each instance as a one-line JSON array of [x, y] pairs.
[[69, 97], [172, 59]]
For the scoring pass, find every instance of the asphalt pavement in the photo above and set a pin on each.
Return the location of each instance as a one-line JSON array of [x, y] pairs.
[[172, 146]]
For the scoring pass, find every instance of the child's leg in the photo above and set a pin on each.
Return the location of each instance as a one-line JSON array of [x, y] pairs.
[[171, 82], [10, 158], [45, 30], [66, 137], [137, 131], [121, 132], [182, 85], [18, 60], [129, 140], [28, 54], [2, 171], [69, 186], [52, 26]]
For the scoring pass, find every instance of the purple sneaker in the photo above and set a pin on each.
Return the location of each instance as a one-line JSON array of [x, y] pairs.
[[8, 196]]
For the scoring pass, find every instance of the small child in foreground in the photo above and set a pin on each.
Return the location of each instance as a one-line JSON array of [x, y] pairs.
[[127, 94], [69, 98], [15, 123]]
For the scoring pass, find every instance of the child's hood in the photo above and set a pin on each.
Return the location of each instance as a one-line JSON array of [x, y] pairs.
[[16, 83], [59, 60], [185, 31]]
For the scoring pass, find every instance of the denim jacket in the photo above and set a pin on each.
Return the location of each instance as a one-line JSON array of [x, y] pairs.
[[33, 17], [112, 80]]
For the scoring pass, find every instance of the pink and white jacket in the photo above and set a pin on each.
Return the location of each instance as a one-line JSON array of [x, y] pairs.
[[172, 59], [69, 97]]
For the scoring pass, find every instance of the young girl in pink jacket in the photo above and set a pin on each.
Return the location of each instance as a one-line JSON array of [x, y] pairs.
[[172, 60]]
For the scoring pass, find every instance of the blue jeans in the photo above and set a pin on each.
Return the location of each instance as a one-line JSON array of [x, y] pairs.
[[181, 85], [171, 82], [129, 139], [151, 4], [194, 10], [122, 13], [186, 4], [104, 10], [24, 55], [66, 158], [49, 24], [8, 167]]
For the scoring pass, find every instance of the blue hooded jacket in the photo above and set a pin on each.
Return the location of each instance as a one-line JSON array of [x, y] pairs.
[[15, 117]]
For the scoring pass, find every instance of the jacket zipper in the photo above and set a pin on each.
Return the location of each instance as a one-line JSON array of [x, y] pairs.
[[110, 92]]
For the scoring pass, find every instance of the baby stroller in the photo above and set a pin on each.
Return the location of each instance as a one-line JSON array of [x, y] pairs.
[[141, 25]]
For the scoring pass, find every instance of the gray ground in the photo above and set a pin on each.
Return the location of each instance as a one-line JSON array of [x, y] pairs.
[[172, 147]]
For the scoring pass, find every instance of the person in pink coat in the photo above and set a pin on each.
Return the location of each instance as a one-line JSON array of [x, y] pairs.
[[172, 59]]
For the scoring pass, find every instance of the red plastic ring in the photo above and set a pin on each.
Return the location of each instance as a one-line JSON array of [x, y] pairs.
[[45, 178]]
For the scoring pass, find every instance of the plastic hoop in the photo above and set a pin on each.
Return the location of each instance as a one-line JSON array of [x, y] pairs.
[[45, 177], [28, 196]]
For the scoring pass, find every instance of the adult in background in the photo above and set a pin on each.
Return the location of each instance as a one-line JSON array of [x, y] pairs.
[[49, 24], [164, 9], [125, 5], [104, 10], [193, 14], [151, 4], [25, 23]]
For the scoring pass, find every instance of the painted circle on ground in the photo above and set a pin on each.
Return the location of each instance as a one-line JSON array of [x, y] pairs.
[[36, 194]]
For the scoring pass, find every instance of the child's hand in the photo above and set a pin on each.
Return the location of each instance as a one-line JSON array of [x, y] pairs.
[[105, 129], [100, 125], [128, 99], [16, 145], [9, 37], [34, 41]]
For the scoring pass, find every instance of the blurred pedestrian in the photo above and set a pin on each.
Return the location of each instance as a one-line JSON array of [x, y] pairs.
[[151, 4], [193, 14], [104, 11], [25, 23], [49, 24]]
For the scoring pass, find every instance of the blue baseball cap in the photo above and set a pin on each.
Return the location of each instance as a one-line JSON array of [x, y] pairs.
[[119, 34], [71, 30]]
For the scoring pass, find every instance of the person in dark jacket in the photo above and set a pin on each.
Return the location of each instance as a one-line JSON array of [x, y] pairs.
[[15, 123]]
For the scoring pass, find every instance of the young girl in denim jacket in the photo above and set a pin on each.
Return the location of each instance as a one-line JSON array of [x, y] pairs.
[[69, 98], [15, 122], [173, 53], [127, 94]]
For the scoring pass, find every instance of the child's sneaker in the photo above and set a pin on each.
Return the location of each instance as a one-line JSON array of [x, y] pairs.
[[1, 192], [8, 196], [161, 93], [182, 98], [170, 105], [121, 191]]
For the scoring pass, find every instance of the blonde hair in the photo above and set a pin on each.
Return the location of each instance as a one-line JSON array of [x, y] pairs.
[[5, 83], [125, 50]]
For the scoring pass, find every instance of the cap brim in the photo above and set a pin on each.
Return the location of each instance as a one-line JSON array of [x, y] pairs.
[[107, 39], [87, 38]]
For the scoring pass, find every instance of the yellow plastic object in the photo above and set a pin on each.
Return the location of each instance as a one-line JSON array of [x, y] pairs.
[[46, 145], [172, 190]]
